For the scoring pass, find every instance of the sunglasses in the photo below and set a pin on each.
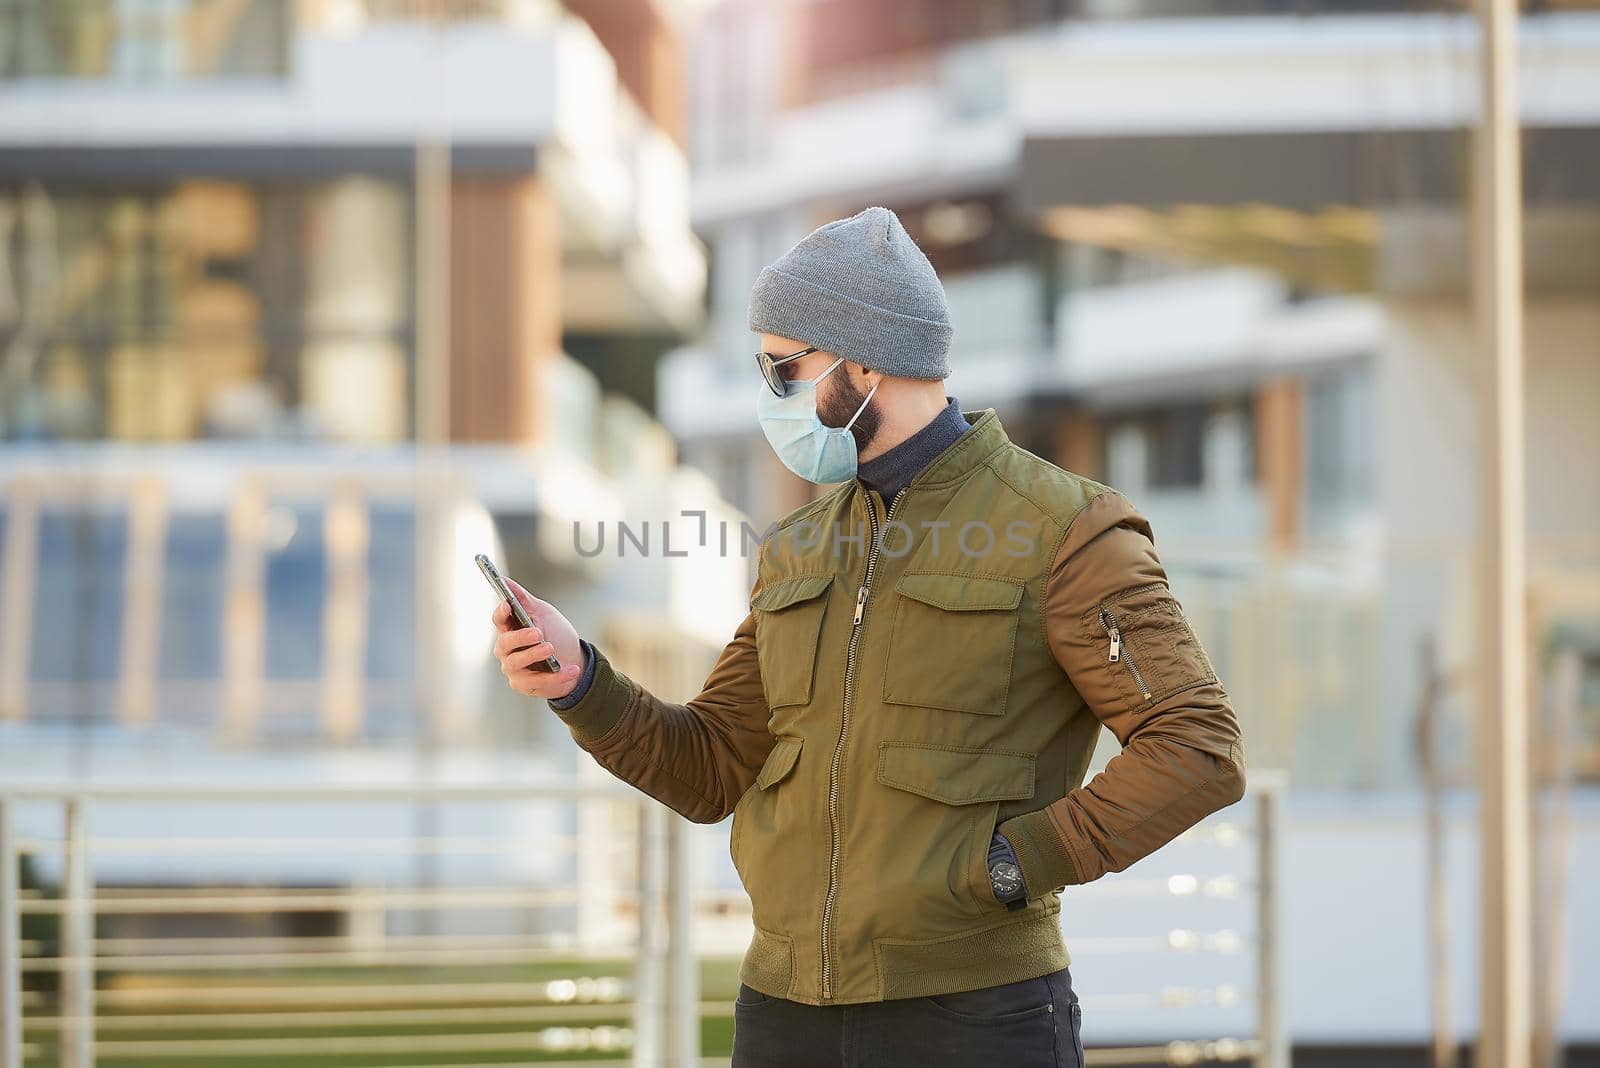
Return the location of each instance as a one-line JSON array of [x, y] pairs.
[[769, 367]]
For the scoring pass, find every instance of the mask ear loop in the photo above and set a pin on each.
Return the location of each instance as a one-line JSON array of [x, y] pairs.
[[864, 401], [831, 366]]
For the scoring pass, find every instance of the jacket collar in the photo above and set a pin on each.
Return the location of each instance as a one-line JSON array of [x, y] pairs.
[[967, 453]]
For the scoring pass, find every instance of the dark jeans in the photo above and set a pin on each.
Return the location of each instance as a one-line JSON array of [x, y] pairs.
[[1034, 1023]]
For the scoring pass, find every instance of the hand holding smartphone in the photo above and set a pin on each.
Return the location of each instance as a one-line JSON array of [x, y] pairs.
[[518, 613]]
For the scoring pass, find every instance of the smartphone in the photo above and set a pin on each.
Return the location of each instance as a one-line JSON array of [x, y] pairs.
[[518, 613]]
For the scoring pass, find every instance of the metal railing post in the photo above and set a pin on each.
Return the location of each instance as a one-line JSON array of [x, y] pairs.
[[77, 942], [683, 980], [10, 941], [648, 1047], [1272, 1047], [600, 861]]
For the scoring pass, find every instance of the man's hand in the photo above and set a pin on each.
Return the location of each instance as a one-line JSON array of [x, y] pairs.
[[551, 635]]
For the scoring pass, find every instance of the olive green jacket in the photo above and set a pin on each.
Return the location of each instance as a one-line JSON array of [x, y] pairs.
[[906, 683]]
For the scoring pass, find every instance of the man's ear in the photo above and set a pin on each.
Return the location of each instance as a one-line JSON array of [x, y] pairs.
[[865, 377]]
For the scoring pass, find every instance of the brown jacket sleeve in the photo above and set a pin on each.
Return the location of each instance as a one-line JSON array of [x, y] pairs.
[[696, 758], [1182, 755]]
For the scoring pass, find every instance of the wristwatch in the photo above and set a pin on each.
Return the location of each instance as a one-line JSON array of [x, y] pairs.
[[1005, 876]]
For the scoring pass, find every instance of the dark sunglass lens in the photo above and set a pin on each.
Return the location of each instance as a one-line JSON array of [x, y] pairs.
[[770, 373]]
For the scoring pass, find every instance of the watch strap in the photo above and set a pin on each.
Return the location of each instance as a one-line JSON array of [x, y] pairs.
[[1000, 850]]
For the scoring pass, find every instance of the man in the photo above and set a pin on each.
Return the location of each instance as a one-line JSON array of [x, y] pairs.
[[901, 724]]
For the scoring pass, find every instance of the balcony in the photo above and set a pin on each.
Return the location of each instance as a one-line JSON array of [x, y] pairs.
[[1066, 111], [1219, 330], [269, 596], [520, 92]]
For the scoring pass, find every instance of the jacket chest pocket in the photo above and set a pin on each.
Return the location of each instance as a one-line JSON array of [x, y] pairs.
[[951, 642], [788, 628]]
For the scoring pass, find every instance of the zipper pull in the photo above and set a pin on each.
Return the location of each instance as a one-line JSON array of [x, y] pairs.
[[1116, 636], [861, 605]]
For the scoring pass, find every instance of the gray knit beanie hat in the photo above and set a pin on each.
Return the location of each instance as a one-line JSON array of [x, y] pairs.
[[860, 288]]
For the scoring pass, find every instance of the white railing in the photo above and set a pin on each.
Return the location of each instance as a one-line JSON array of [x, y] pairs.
[[504, 957], [1188, 943], [538, 957]]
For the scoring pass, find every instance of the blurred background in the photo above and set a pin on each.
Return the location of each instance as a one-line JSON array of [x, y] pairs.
[[304, 302]]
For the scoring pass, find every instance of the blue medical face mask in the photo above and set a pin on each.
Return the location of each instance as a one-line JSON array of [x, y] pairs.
[[807, 446]]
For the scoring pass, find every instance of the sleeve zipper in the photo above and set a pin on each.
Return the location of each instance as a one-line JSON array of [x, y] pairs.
[[1115, 652]]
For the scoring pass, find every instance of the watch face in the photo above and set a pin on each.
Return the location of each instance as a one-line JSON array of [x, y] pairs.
[[1006, 877]]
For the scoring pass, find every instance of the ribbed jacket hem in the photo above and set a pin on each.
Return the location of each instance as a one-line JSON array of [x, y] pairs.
[[991, 955]]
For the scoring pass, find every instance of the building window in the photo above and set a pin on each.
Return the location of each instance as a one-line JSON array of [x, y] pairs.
[[1585, 761], [77, 603], [193, 600], [207, 309], [1177, 440], [1158, 448], [1338, 439]]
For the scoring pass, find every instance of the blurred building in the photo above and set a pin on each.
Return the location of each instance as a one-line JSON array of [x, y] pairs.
[[1218, 261], [254, 253], [245, 248], [1216, 255]]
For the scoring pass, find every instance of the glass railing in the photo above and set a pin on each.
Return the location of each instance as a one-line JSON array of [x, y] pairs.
[[573, 408], [178, 40], [144, 40]]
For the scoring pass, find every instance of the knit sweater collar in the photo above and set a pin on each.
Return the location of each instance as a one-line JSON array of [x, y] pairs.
[[889, 472]]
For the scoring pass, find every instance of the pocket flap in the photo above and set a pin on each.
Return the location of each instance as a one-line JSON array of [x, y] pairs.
[[786, 592], [955, 775], [779, 761], [959, 593]]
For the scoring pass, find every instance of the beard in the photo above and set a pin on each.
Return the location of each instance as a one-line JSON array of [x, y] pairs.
[[841, 402]]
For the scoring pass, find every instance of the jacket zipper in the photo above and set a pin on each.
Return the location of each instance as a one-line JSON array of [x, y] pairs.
[[844, 728], [1109, 622]]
